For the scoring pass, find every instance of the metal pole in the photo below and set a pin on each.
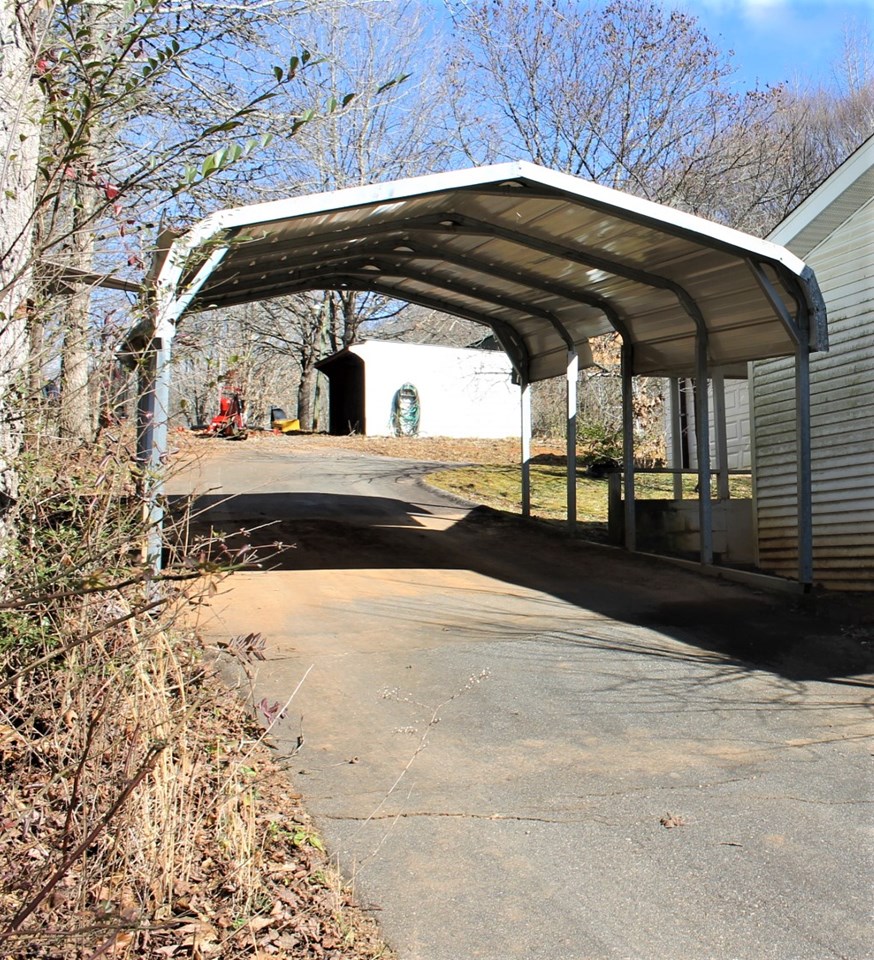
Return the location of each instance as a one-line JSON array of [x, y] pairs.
[[153, 407], [628, 444], [722, 491], [702, 438], [525, 405], [676, 436], [804, 463], [573, 366], [145, 415], [754, 467], [156, 451]]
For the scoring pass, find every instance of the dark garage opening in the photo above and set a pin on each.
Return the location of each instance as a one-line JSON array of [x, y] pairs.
[[345, 371]]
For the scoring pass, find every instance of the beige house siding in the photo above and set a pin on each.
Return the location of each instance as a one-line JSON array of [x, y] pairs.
[[842, 424]]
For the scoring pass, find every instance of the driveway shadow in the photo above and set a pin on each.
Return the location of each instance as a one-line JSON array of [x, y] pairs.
[[798, 638]]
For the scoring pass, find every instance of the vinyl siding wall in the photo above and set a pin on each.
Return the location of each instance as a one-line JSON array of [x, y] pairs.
[[842, 425]]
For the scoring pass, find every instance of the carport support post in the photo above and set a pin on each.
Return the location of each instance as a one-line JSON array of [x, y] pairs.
[[525, 406], [573, 368], [676, 436], [152, 413], [153, 408], [702, 438], [145, 414], [722, 491], [804, 462], [628, 444]]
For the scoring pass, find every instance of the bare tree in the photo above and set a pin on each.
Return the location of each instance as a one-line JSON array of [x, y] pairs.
[[21, 108], [137, 102], [209, 347], [390, 128], [785, 151], [626, 94], [295, 328], [637, 97]]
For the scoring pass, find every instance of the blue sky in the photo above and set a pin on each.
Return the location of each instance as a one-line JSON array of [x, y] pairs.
[[782, 40], [774, 41]]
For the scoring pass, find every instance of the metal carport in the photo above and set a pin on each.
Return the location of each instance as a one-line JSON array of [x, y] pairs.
[[545, 260]]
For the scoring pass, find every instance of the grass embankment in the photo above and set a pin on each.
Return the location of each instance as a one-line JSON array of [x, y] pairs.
[[498, 486]]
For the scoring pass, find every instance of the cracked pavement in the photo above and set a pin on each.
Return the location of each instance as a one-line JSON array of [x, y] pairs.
[[498, 720]]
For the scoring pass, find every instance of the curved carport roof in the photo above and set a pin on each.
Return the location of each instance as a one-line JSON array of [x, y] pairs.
[[545, 260]]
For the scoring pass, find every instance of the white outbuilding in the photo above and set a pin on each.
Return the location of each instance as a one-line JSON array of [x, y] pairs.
[[386, 388]]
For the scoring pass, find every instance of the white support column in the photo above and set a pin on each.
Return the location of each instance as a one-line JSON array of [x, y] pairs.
[[804, 464], [722, 491], [153, 406], [628, 446], [676, 436], [702, 437], [158, 409], [145, 415], [525, 406], [573, 367]]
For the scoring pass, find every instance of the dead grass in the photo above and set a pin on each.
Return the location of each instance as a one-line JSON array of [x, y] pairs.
[[431, 449], [142, 814]]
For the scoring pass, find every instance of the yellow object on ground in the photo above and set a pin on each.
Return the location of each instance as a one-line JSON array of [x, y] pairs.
[[287, 426]]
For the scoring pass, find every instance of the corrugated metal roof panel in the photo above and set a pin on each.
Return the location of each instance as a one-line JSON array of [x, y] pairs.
[[549, 256]]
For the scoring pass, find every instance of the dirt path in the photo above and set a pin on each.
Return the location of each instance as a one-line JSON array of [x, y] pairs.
[[420, 449]]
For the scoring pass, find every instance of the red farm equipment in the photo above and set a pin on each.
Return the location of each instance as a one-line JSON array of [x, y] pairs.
[[231, 420]]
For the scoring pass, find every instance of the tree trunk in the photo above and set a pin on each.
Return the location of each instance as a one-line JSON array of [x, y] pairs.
[[75, 418], [21, 108], [351, 317], [321, 411], [36, 374], [306, 394]]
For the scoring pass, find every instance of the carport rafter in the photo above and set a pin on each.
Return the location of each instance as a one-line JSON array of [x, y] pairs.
[[517, 351], [393, 250], [451, 285], [447, 224], [339, 274], [581, 256], [792, 325]]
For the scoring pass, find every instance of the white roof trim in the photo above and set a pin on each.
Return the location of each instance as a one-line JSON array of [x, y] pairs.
[[659, 215], [826, 194]]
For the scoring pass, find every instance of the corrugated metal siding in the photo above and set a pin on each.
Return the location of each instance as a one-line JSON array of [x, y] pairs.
[[842, 425]]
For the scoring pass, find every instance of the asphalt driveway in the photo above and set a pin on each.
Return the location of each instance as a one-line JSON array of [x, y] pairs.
[[519, 745]]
